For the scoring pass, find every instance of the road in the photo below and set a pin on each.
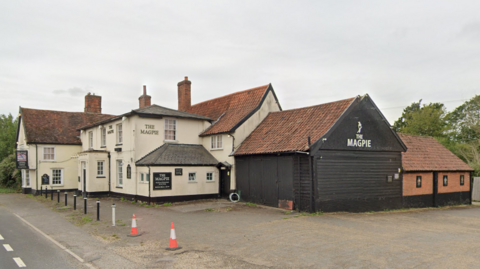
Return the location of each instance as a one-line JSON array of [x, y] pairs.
[[29, 248]]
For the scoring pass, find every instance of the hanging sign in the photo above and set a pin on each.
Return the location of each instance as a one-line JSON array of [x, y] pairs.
[[359, 141], [22, 159], [162, 181]]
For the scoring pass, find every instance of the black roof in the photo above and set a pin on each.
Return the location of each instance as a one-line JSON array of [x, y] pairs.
[[153, 111], [178, 154]]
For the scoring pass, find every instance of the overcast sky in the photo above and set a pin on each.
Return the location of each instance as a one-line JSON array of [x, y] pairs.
[[54, 52]]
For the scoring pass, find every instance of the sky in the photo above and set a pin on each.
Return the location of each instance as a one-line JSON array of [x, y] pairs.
[[52, 53]]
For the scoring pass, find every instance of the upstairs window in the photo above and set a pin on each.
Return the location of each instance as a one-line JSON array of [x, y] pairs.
[[90, 140], [49, 153], [119, 134], [104, 137], [170, 129], [419, 181], [217, 142]]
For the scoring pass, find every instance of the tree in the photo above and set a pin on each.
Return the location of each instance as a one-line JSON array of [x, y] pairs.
[[8, 135], [426, 120], [9, 175], [464, 121]]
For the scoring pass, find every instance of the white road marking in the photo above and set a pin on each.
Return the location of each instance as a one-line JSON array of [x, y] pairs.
[[56, 243], [7, 247], [19, 262], [1, 238]]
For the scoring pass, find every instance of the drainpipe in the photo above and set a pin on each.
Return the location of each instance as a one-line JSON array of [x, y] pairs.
[[36, 166], [109, 173], [149, 180], [233, 142]]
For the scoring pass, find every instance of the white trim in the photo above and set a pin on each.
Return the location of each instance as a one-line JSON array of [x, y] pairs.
[[103, 139], [62, 177], [215, 140], [119, 133], [175, 129], [118, 183], [90, 139], [213, 176], [195, 177], [103, 168]]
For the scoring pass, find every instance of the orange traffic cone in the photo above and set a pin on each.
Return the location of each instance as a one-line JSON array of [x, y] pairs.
[[134, 231], [173, 240]]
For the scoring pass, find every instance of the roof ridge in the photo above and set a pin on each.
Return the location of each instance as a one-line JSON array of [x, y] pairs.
[[313, 106], [76, 112], [230, 94]]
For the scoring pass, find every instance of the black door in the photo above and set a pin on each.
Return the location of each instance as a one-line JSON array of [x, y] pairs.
[[224, 182]]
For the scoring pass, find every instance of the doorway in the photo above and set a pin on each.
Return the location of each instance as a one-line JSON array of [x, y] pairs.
[[224, 191], [84, 179]]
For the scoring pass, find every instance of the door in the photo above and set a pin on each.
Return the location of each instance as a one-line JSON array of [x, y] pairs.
[[224, 182], [84, 178]]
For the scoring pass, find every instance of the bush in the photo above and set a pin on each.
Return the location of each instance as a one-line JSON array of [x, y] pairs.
[[9, 175]]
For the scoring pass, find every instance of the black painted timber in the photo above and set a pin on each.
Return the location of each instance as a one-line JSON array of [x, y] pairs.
[[414, 201]]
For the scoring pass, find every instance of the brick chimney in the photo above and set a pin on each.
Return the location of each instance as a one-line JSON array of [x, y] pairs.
[[145, 100], [93, 103], [184, 95]]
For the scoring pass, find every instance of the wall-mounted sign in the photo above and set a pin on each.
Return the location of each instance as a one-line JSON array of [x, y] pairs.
[[45, 179], [149, 129], [359, 141], [129, 171], [162, 181], [178, 171], [22, 159]]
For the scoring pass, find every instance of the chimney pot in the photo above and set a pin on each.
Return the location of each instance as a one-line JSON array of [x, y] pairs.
[[144, 89]]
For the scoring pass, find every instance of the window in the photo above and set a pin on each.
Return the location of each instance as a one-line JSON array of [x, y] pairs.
[[141, 177], [104, 137], [49, 153], [217, 142], [26, 178], [445, 180], [57, 176], [209, 176], [119, 134], [192, 177], [170, 129], [462, 180], [90, 140], [100, 168], [147, 177], [119, 173], [419, 181]]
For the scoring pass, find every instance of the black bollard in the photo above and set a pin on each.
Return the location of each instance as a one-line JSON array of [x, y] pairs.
[[41, 190], [58, 196], [74, 202], [46, 192], [65, 198], [98, 210], [51, 197], [85, 204]]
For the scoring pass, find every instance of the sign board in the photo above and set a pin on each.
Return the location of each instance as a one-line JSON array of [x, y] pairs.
[[45, 179], [129, 171], [162, 181], [22, 159], [178, 171]]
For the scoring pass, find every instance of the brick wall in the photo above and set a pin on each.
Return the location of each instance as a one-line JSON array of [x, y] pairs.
[[453, 182], [410, 185]]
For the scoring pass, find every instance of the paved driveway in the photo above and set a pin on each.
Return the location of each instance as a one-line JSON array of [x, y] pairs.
[[219, 234]]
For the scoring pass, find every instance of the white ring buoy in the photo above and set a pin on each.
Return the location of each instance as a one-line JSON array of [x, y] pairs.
[[234, 197]]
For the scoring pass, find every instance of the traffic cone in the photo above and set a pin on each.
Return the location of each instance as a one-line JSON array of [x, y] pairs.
[[173, 240], [134, 231]]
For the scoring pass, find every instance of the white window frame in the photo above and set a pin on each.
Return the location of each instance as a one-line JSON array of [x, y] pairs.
[[119, 134], [142, 177], [102, 170], [168, 128], [53, 154], [190, 174], [25, 178], [212, 179], [90, 140], [103, 137], [119, 173], [53, 176], [216, 142], [147, 177]]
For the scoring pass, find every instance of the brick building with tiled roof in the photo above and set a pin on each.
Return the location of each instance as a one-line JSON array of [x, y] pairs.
[[338, 156], [50, 140], [433, 175]]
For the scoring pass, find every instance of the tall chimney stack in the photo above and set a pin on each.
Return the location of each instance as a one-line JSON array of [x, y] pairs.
[[184, 95], [145, 100], [93, 103]]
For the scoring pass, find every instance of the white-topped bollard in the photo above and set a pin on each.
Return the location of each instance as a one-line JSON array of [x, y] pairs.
[[113, 214]]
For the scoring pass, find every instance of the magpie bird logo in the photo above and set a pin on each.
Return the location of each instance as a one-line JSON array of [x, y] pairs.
[[359, 127]]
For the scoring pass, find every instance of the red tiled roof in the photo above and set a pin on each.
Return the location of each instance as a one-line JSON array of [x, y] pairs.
[[288, 130], [229, 110], [424, 153], [56, 127]]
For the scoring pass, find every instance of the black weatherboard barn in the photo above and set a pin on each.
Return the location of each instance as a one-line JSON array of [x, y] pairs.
[[339, 156]]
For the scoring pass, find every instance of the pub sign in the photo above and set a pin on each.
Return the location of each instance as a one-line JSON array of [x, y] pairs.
[[22, 159], [162, 181]]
